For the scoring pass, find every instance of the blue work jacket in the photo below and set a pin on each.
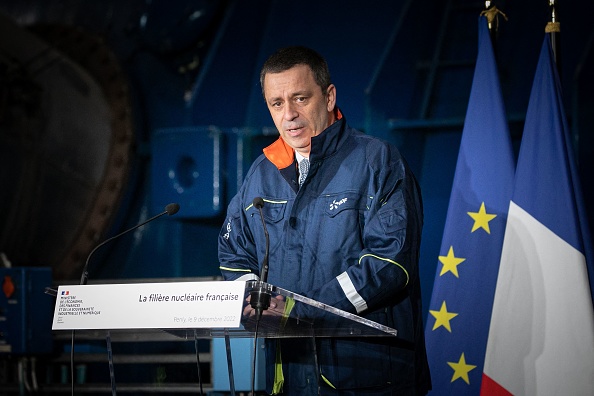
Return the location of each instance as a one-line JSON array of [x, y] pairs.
[[349, 238]]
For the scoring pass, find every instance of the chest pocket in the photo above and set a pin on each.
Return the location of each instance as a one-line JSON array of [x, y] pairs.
[[274, 211], [338, 203]]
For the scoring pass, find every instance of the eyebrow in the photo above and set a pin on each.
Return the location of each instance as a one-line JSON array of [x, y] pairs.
[[295, 94]]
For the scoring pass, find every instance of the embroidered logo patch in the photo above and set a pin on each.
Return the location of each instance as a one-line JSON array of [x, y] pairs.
[[226, 235], [335, 204]]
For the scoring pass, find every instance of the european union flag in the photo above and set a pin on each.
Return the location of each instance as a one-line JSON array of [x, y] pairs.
[[460, 308]]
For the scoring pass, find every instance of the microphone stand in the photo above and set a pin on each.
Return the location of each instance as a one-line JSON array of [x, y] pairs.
[[260, 298], [170, 210]]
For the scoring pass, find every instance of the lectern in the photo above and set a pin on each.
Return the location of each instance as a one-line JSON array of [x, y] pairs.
[[204, 310]]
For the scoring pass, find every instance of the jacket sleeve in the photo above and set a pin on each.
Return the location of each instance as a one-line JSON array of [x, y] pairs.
[[237, 251], [388, 262]]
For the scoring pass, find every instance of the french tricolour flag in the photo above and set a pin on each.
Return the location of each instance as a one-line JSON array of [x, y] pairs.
[[541, 335], [460, 306]]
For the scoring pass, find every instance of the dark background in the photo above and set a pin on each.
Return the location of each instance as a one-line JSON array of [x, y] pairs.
[[112, 109]]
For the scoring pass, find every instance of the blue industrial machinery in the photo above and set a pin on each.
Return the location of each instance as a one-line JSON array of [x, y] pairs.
[[25, 311], [186, 168]]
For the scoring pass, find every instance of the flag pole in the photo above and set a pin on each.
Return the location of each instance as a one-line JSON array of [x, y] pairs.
[[553, 28]]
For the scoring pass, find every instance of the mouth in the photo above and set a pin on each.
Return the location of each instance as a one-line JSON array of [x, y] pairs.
[[294, 131]]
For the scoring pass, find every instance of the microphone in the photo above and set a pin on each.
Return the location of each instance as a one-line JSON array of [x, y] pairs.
[[170, 210], [260, 299], [259, 204]]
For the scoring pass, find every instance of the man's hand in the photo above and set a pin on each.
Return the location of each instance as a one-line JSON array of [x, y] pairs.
[[276, 308]]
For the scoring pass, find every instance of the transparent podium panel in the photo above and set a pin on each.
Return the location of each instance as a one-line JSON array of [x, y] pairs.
[[284, 314], [291, 315]]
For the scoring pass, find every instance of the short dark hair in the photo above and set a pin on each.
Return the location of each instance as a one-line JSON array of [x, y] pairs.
[[288, 57]]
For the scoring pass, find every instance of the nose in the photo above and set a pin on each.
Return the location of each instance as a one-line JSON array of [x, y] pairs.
[[290, 113]]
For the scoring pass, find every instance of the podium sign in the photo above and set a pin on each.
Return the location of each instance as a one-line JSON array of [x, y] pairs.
[[174, 305]]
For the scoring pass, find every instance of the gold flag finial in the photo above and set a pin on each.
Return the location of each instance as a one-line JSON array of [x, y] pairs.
[[492, 15]]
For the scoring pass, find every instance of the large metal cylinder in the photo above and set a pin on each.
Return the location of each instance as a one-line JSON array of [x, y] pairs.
[[65, 145]]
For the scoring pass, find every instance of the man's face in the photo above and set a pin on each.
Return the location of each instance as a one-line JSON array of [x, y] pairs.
[[298, 107]]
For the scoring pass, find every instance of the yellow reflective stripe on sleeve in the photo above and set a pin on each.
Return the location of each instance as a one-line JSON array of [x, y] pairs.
[[328, 382], [234, 269], [389, 261]]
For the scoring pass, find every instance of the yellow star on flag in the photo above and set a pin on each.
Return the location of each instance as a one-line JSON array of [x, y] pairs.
[[461, 369], [450, 263], [481, 219], [443, 317]]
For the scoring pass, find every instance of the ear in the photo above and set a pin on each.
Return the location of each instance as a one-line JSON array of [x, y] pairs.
[[331, 98]]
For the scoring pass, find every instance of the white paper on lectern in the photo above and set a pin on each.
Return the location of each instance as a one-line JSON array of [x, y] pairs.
[[168, 305]]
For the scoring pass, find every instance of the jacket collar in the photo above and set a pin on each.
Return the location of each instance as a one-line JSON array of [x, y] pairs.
[[326, 143]]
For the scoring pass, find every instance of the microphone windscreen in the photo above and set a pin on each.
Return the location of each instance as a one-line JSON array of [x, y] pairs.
[[258, 202], [172, 209]]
